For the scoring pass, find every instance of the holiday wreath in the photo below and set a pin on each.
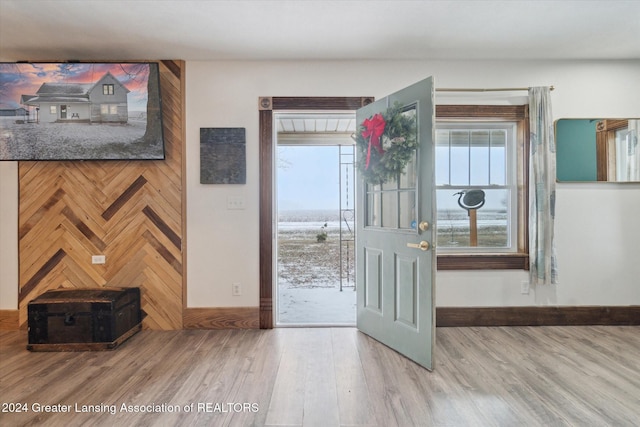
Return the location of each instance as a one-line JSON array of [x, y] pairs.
[[386, 142]]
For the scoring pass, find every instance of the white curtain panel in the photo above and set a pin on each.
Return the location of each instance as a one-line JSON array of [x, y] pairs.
[[542, 189]]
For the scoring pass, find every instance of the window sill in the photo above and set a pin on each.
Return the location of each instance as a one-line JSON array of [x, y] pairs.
[[517, 261]]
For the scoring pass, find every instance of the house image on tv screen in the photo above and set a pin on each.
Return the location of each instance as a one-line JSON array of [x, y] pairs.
[[102, 102]]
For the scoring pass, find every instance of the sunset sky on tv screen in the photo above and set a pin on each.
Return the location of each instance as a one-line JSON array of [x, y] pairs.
[[25, 79]]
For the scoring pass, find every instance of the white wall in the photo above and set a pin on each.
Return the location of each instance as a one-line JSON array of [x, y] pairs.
[[597, 224], [596, 244], [8, 235]]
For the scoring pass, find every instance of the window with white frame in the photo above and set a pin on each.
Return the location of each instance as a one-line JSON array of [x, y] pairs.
[[482, 150], [476, 157]]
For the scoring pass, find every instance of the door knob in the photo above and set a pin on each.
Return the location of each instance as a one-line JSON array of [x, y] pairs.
[[424, 226], [423, 245]]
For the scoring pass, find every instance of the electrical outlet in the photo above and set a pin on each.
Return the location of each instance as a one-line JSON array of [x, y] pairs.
[[235, 203], [98, 259], [236, 289], [524, 287]]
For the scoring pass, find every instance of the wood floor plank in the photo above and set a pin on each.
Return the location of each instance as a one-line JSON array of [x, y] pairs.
[[491, 376], [486, 369], [236, 359], [320, 394], [353, 396], [389, 399], [286, 406], [256, 386]]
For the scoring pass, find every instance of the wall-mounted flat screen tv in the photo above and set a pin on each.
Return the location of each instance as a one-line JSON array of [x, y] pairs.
[[80, 111]]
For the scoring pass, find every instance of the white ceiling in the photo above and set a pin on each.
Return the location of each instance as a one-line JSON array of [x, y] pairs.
[[317, 30]]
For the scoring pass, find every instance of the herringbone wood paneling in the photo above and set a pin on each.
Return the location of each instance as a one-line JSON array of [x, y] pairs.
[[129, 211]]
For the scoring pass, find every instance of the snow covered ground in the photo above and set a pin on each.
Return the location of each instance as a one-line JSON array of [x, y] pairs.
[[57, 141], [309, 272]]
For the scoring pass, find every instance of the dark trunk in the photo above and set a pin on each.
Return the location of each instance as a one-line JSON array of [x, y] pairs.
[[153, 134]]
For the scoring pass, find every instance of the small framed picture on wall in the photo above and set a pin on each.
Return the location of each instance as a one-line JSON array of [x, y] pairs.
[[223, 156]]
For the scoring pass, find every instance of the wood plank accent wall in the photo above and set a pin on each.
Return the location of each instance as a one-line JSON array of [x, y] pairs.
[[8, 320], [130, 211]]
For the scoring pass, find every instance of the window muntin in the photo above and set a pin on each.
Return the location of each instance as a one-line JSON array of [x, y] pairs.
[[475, 155]]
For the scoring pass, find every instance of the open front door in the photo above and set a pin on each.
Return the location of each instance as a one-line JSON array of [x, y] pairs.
[[395, 223]]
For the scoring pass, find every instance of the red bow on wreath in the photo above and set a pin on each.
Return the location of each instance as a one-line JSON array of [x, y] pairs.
[[374, 130]]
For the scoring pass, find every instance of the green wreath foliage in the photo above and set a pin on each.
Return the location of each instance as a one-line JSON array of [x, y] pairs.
[[399, 142]]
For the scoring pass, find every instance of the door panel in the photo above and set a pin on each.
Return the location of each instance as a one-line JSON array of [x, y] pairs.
[[373, 280], [406, 289], [395, 282]]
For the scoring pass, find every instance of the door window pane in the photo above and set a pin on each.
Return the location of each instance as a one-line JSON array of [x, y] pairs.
[[390, 185], [390, 209], [373, 210], [407, 209], [409, 177]]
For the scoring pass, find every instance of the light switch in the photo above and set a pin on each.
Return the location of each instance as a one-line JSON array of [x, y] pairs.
[[235, 203]]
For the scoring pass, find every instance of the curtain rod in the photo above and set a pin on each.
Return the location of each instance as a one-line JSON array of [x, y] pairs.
[[504, 89]]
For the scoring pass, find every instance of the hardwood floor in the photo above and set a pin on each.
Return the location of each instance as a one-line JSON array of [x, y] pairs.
[[492, 376]]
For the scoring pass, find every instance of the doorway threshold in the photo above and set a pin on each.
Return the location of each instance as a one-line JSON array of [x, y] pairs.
[[316, 306], [315, 325]]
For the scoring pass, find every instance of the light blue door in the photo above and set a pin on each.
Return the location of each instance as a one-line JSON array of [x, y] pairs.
[[395, 222]]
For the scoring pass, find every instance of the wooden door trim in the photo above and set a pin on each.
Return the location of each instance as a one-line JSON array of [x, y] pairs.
[[605, 136], [267, 106]]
